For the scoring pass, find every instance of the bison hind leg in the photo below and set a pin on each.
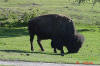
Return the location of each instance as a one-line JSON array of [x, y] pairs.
[[31, 41], [39, 43]]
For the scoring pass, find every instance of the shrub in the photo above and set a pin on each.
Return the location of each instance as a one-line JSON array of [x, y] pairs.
[[28, 15], [15, 18]]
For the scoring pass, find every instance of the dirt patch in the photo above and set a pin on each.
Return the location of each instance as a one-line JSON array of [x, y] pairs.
[[22, 63]]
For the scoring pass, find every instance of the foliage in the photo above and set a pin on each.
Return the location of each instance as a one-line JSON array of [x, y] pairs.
[[28, 15], [12, 17], [18, 12], [93, 1]]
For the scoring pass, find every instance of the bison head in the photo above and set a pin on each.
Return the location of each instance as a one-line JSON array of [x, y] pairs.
[[75, 43]]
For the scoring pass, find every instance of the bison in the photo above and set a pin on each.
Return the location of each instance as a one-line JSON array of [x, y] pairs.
[[60, 29]]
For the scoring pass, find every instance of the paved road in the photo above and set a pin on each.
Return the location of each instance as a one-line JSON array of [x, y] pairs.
[[22, 63]]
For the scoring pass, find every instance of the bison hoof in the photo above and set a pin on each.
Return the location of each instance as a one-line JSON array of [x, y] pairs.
[[55, 51], [42, 49], [32, 50], [62, 54]]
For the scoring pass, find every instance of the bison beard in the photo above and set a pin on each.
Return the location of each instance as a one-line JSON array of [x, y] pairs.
[[73, 45], [60, 29]]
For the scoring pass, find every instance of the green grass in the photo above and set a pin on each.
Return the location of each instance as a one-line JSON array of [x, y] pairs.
[[84, 14], [14, 45], [14, 41]]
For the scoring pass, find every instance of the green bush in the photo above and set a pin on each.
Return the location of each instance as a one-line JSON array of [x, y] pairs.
[[14, 18], [28, 15]]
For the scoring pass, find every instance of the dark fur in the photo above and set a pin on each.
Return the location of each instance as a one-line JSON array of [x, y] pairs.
[[60, 29], [73, 46], [76, 43]]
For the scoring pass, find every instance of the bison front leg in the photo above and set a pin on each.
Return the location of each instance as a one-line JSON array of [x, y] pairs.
[[53, 45], [55, 50], [62, 51], [60, 47]]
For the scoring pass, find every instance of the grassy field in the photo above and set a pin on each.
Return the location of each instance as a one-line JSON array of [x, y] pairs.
[[14, 41], [85, 13], [14, 45]]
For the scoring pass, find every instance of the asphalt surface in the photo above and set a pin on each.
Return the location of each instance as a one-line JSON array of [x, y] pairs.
[[22, 63]]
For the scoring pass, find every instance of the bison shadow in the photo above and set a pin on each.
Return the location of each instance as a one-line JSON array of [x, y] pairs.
[[86, 30], [12, 32], [15, 51], [29, 52]]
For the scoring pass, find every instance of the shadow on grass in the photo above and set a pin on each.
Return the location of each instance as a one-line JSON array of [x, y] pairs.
[[15, 51], [86, 30], [12, 32], [26, 52], [29, 52]]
